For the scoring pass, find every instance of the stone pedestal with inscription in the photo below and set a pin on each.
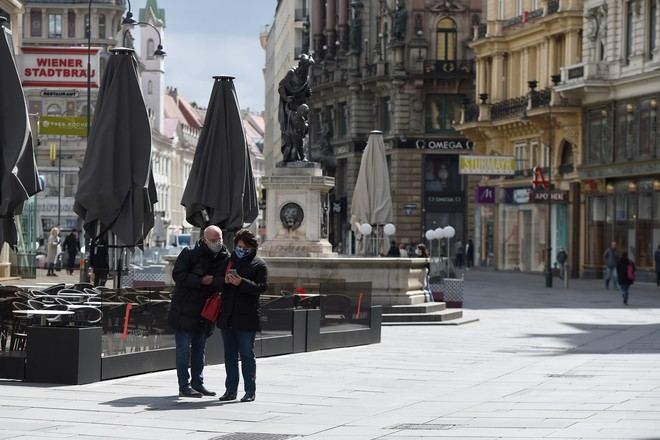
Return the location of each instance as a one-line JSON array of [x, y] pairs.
[[297, 211]]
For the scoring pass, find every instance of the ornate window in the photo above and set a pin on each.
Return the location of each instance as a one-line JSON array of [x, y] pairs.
[[446, 40]]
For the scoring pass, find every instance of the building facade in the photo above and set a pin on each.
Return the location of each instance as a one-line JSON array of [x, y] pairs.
[[402, 67], [521, 48], [617, 81]]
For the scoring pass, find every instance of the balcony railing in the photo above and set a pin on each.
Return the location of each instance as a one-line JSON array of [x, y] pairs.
[[541, 98], [509, 108], [448, 68], [553, 6], [522, 19]]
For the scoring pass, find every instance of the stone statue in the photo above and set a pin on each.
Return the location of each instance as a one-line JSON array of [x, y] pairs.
[[294, 89], [400, 19]]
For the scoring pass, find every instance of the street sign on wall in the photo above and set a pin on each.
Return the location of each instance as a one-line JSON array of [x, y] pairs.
[[487, 165], [63, 125], [58, 67]]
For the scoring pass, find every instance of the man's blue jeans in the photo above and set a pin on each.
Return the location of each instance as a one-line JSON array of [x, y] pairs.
[[190, 351], [239, 342]]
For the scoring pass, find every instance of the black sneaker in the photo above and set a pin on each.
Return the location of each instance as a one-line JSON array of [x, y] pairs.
[[203, 390], [189, 392], [227, 397]]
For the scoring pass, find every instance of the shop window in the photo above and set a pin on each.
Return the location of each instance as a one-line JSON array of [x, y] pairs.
[[54, 25], [441, 113], [599, 148], [596, 227], [35, 23], [441, 174], [446, 40]]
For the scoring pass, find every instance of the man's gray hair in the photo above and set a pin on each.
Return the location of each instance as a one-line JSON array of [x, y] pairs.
[[212, 228]]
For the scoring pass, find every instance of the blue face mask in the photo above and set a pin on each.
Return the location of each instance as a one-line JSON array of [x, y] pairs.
[[241, 252]]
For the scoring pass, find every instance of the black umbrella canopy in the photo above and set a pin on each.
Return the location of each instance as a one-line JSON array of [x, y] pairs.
[[116, 187], [19, 178], [220, 189]]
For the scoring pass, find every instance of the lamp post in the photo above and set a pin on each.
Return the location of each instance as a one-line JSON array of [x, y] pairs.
[[548, 259]]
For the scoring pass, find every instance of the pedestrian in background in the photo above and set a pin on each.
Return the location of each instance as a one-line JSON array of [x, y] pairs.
[[626, 272], [394, 250], [422, 253], [71, 247], [656, 255], [562, 257], [460, 254], [99, 265], [611, 257], [246, 278], [469, 253], [198, 274], [403, 252], [52, 246]]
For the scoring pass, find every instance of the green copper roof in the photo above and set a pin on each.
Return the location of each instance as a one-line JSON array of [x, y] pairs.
[[158, 13]]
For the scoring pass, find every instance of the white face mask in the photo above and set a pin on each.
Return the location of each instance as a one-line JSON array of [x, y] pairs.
[[214, 246]]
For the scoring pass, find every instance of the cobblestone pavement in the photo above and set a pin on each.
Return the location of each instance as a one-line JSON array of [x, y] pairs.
[[540, 363]]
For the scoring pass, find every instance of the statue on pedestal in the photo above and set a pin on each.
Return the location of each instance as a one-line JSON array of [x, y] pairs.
[[400, 19], [294, 89]]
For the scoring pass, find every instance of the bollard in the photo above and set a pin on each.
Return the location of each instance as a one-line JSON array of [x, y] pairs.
[[565, 275]]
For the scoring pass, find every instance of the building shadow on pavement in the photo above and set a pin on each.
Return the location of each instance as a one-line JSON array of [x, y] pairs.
[[602, 339], [514, 290]]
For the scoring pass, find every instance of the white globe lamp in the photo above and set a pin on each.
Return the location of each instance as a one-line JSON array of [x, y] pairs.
[[450, 231], [429, 234], [365, 228], [389, 229], [439, 233]]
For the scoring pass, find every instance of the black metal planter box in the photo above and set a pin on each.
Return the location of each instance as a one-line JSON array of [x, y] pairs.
[[64, 355]]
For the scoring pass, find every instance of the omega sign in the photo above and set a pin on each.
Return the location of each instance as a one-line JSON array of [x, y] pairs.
[[460, 144], [58, 67]]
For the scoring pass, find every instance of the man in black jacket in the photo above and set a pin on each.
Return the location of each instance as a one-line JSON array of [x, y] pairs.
[[198, 273], [246, 278]]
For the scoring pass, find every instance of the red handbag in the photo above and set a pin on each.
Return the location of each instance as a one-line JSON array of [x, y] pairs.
[[212, 307]]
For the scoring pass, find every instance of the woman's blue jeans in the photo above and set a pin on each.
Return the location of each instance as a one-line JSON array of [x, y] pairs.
[[190, 351], [239, 342]]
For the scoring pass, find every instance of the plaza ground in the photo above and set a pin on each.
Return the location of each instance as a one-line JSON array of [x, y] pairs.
[[540, 363]]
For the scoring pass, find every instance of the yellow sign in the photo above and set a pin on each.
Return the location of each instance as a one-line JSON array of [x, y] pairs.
[[487, 165], [63, 125]]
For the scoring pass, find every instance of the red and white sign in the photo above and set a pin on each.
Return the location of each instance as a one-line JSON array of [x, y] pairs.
[[58, 67]]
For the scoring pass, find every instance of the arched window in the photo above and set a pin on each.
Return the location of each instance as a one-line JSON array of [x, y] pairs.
[[54, 109], [102, 26], [151, 48], [150, 87], [446, 40]]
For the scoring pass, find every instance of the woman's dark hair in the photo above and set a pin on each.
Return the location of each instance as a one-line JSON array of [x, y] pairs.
[[422, 249], [246, 237]]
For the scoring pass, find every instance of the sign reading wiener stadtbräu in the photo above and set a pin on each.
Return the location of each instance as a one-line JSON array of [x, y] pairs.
[[59, 67], [487, 165]]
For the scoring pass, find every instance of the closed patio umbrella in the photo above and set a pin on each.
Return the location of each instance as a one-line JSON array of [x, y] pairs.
[[116, 190], [19, 177], [220, 189], [372, 200]]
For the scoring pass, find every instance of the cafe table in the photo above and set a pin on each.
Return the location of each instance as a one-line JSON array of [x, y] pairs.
[[43, 314]]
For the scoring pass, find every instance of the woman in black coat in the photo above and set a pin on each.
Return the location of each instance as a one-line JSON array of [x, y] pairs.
[[246, 278], [625, 280]]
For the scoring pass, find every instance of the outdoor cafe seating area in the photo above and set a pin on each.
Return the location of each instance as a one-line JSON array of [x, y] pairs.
[[129, 333]]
